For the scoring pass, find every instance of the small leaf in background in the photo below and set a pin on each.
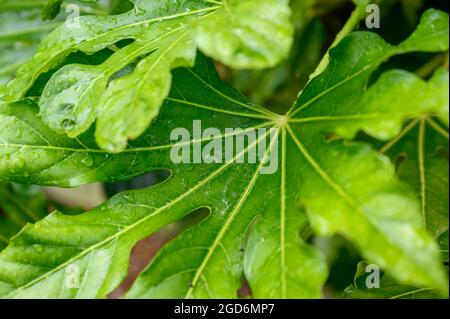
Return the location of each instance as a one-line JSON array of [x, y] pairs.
[[19, 205], [22, 30], [420, 152], [51, 10], [389, 289], [166, 36]]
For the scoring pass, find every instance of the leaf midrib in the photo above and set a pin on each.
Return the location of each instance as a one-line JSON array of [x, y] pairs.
[[339, 190], [136, 149], [230, 219]]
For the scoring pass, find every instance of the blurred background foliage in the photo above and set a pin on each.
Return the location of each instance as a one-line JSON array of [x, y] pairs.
[[316, 22]]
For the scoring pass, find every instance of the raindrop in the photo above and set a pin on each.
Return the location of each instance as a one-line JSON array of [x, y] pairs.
[[68, 124], [88, 160], [39, 248]]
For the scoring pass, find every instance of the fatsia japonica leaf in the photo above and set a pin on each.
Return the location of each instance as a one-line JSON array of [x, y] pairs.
[[334, 186], [165, 34], [421, 155], [19, 205], [420, 152]]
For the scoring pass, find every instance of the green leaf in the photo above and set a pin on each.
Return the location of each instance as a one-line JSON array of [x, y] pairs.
[[336, 187], [19, 205], [247, 34], [389, 289], [443, 243], [286, 79], [21, 30], [165, 37], [441, 78], [52, 8], [420, 152]]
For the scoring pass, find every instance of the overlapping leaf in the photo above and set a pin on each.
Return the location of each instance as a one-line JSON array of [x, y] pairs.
[[20, 36], [337, 187], [165, 34], [22, 30], [420, 152], [388, 288]]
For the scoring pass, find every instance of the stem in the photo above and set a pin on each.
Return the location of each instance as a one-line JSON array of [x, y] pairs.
[[357, 15], [427, 69]]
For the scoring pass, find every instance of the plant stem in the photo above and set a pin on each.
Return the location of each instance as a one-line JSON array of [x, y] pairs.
[[356, 16], [427, 69]]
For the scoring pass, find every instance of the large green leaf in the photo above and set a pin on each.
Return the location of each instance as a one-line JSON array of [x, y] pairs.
[[422, 155], [242, 34], [420, 152], [335, 186]]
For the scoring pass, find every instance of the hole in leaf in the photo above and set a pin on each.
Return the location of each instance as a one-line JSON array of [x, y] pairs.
[[244, 291], [153, 178], [342, 259], [399, 160], [73, 58], [442, 151], [144, 251], [331, 137]]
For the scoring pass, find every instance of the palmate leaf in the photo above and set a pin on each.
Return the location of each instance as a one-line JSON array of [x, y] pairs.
[[241, 34], [252, 230], [19, 205], [421, 154]]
